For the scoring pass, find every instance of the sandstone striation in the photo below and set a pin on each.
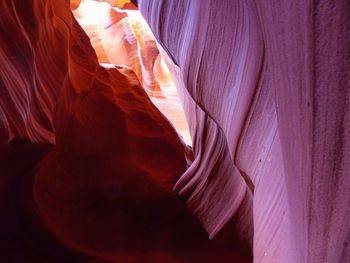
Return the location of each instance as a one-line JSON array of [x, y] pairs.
[[92, 163]]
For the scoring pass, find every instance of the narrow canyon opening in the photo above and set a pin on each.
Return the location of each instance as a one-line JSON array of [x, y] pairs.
[[122, 37]]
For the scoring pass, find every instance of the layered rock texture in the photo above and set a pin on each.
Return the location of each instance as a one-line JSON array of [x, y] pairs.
[[92, 171]]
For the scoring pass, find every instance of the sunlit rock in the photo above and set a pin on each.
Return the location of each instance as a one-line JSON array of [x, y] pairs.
[[124, 38]]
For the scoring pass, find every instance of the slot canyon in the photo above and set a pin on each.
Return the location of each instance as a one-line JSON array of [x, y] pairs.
[[174, 131]]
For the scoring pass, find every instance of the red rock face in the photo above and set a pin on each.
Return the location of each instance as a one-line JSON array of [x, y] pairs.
[[92, 171]]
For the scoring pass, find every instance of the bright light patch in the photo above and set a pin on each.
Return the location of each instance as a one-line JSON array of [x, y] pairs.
[[122, 37]]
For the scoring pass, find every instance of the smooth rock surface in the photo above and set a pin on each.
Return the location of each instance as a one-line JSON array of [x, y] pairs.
[[273, 78]]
